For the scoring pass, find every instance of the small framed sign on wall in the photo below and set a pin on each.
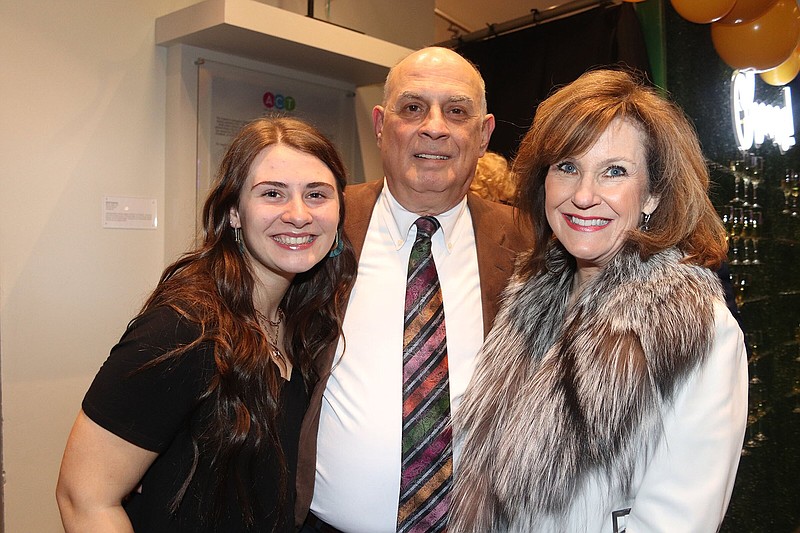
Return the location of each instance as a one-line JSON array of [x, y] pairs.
[[229, 96]]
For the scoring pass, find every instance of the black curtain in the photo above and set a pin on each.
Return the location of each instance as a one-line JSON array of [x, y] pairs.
[[521, 68]]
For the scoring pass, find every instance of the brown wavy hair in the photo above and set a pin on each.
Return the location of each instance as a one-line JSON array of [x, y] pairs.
[[571, 120], [213, 286]]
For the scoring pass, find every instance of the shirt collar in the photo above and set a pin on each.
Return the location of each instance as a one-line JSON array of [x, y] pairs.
[[399, 220]]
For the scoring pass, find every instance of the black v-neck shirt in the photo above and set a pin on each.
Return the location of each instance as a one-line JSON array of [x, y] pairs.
[[157, 408]]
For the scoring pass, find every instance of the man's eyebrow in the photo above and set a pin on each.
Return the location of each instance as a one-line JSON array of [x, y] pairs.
[[455, 99], [408, 95]]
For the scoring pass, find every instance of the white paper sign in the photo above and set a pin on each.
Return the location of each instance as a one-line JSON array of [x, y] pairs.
[[129, 213]]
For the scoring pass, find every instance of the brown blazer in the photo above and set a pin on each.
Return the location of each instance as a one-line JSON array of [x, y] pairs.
[[498, 241]]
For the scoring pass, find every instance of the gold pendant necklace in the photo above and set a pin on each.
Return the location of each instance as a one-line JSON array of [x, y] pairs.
[[272, 328]]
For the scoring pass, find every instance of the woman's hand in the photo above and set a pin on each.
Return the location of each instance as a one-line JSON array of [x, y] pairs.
[[98, 470]]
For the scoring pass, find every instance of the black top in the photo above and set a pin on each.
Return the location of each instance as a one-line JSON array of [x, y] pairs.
[[157, 408]]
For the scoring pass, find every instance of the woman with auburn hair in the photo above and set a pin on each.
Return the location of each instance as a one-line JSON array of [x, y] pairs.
[[192, 424], [611, 394]]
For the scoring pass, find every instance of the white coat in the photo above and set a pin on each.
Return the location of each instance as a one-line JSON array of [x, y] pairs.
[[625, 411]]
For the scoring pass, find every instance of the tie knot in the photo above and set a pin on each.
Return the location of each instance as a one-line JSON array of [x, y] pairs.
[[426, 226]]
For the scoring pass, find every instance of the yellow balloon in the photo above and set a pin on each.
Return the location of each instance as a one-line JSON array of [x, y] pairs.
[[703, 11], [761, 44], [785, 72], [745, 10]]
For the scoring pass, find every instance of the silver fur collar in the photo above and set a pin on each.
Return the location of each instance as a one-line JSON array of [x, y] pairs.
[[560, 393]]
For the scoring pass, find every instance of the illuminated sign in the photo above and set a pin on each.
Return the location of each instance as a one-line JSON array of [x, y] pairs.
[[754, 121]]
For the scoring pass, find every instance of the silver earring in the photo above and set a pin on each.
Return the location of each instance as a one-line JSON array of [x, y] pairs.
[[646, 221], [237, 236]]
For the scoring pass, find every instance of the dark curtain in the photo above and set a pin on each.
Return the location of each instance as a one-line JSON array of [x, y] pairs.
[[522, 67]]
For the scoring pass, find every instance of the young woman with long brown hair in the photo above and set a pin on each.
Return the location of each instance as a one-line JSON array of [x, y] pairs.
[[193, 421]]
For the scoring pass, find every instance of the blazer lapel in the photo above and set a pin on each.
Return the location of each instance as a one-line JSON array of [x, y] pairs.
[[359, 203], [495, 259]]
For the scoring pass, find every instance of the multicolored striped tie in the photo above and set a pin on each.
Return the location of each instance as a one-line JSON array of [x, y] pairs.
[[427, 469]]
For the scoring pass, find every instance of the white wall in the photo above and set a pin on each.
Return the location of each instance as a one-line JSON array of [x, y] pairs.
[[82, 115], [409, 23]]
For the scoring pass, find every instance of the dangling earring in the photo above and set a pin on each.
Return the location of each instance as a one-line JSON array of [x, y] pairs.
[[237, 236], [338, 246], [646, 221]]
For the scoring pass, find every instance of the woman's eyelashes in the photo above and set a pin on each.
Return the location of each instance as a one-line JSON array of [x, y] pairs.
[[616, 171], [567, 167], [612, 171]]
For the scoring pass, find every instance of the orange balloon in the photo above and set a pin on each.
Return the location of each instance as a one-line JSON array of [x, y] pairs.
[[745, 10], [785, 72], [703, 11], [763, 43]]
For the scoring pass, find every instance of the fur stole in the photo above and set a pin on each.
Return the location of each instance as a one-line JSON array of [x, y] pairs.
[[561, 394]]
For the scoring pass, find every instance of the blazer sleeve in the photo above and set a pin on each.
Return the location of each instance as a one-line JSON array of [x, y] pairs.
[[688, 483]]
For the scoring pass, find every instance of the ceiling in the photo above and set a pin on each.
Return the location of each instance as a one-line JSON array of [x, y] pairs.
[[473, 15]]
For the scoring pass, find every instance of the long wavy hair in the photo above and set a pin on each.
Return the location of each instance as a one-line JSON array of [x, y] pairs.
[[570, 121], [212, 286]]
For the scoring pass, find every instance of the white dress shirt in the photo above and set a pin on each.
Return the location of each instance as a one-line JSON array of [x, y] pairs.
[[358, 449]]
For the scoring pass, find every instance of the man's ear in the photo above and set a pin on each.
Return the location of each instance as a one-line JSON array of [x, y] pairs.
[[486, 132], [377, 121]]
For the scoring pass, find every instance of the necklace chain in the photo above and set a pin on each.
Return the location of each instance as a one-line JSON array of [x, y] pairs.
[[273, 327], [276, 323]]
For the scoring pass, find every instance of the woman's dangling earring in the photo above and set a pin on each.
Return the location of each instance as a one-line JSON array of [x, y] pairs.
[[646, 221], [338, 246], [237, 236]]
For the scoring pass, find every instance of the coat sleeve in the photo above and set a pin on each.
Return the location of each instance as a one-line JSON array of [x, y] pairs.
[[688, 483]]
